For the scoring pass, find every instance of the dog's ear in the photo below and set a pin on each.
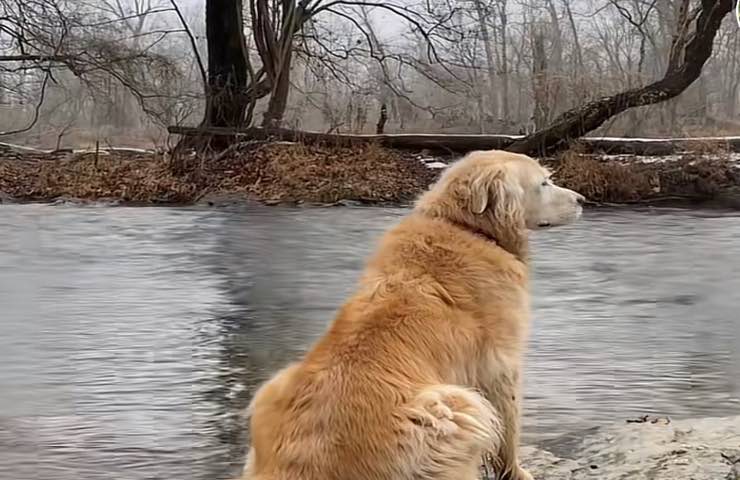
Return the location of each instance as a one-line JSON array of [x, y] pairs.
[[490, 189], [481, 190], [478, 196], [496, 192]]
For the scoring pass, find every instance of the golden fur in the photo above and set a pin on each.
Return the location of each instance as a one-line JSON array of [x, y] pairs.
[[419, 374]]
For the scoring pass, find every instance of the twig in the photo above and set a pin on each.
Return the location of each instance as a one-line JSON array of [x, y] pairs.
[[34, 58], [193, 43], [36, 110], [97, 153]]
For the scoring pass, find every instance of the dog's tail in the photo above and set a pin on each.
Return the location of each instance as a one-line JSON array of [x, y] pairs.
[[453, 427]]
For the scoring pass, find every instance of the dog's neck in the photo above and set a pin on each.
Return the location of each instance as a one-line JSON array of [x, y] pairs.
[[478, 232], [515, 243]]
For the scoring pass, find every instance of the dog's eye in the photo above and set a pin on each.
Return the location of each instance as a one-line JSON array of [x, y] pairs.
[[546, 182]]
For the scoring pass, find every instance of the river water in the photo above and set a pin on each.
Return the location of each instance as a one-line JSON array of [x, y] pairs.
[[132, 338]]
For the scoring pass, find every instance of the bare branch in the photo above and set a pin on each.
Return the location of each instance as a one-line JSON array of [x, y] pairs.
[[193, 43]]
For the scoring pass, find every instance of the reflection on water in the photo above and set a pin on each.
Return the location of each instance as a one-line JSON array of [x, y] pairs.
[[131, 338]]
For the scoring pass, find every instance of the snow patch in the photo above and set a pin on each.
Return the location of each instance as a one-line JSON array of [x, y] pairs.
[[103, 150], [109, 150], [731, 157], [432, 163], [22, 148], [648, 140], [436, 165]]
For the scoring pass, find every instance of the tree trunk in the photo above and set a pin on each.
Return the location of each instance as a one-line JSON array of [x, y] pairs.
[[274, 29], [555, 66], [503, 67], [734, 81], [488, 48], [540, 80], [380, 127], [279, 97], [227, 99], [576, 41], [688, 57]]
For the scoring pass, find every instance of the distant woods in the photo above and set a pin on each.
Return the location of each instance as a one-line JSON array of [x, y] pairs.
[[122, 70]]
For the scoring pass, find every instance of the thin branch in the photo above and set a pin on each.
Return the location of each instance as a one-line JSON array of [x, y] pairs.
[[35, 58], [36, 110], [193, 43], [123, 18]]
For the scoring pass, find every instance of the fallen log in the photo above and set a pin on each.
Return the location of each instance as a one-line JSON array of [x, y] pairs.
[[402, 141], [461, 143], [659, 146]]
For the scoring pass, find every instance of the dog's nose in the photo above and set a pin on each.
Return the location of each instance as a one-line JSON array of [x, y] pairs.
[[580, 199]]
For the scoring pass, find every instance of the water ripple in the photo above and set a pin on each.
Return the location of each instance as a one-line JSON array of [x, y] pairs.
[[131, 339]]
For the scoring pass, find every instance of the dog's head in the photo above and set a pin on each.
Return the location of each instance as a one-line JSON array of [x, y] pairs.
[[501, 195]]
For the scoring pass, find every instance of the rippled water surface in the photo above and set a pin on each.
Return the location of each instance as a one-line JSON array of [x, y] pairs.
[[132, 338]]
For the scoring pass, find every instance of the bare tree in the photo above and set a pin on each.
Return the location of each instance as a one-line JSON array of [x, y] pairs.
[[228, 62], [103, 46], [439, 66], [691, 48]]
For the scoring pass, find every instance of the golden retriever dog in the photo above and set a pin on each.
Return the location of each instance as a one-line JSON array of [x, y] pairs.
[[419, 375]]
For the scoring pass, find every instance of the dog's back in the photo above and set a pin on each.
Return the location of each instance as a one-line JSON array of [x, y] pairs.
[[367, 402]]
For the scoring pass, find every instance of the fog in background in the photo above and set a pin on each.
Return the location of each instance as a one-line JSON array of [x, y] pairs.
[[120, 71]]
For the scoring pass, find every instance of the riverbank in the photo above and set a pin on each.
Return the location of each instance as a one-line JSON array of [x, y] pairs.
[[270, 173], [654, 449], [288, 173]]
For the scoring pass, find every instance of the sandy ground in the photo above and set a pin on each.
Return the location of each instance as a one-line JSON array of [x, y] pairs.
[[698, 449]]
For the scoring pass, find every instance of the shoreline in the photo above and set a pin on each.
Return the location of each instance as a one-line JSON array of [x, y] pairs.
[[289, 174], [720, 204], [729, 203], [645, 448]]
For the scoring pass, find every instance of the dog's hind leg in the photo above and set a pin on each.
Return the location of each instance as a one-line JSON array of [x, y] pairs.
[[505, 394], [450, 429]]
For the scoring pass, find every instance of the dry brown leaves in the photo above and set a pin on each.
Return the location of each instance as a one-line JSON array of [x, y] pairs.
[[281, 172], [292, 172], [275, 172], [131, 178], [613, 181]]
